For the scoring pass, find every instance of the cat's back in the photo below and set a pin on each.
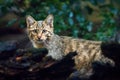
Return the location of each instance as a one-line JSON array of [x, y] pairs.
[[75, 44], [77, 41]]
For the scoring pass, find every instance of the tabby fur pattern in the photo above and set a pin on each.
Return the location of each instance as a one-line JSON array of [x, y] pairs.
[[41, 34]]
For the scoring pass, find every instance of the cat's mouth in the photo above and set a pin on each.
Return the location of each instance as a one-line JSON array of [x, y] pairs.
[[39, 41]]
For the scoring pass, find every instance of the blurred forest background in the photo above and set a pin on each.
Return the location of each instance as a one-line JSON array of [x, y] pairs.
[[88, 19]]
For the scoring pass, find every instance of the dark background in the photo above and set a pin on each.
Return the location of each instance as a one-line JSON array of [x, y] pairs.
[[88, 19]]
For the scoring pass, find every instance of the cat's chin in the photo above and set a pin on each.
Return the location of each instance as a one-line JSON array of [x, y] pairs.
[[39, 42]]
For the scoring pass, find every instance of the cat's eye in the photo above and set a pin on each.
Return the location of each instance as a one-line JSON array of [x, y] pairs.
[[35, 31], [44, 31]]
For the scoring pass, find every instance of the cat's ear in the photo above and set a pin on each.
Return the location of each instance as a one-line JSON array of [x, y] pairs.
[[49, 20], [30, 20]]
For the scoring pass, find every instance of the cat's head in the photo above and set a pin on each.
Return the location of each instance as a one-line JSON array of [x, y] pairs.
[[40, 31]]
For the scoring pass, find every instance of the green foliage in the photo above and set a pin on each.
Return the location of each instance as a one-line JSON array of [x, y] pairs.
[[71, 16], [11, 22]]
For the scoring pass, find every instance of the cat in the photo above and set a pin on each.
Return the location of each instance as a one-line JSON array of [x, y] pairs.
[[41, 34]]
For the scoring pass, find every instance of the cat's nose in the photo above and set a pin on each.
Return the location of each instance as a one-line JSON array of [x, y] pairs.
[[39, 36], [39, 39]]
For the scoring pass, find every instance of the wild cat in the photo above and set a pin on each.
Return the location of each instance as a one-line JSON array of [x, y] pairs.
[[41, 34]]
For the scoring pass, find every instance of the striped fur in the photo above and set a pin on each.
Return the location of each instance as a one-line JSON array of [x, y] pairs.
[[41, 35]]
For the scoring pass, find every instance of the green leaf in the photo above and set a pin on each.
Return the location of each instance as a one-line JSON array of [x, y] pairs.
[[71, 22], [89, 26]]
